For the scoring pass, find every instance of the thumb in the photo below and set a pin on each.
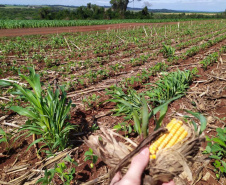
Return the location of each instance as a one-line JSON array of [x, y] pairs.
[[169, 183], [138, 164]]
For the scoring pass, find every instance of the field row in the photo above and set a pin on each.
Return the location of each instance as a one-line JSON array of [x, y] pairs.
[[12, 24], [90, 58]]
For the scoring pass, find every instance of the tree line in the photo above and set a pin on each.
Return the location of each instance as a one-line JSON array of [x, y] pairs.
[[93, 11]]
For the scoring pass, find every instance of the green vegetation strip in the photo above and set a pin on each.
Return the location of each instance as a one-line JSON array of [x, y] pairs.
[[11, 24]]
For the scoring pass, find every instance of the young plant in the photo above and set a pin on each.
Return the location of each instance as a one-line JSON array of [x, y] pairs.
[[192, 51], [62, 171], [216, 148], [169, 86], [209, 60], [126, 102], [5, 137], [200, 117], [125, 127], [141, 118], [159, 67], [47, 112], [167, 51], [91, 101], [48, 177], [89, 155]]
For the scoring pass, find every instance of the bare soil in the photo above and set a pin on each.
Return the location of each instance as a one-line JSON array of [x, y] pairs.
[[51, 30]]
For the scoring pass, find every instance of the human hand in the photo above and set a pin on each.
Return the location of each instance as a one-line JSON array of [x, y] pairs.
[[133, 175]]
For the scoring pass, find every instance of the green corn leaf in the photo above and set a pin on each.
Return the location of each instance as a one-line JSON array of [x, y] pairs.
[[224, 165], [3, 140], [195, 125], [24, 112], [157, 109], [2, 132], [126, 103], [136, 122], [34, 142], [201, 118], [161, 116], [145, 120], [33, 129], [33, 80], [4, 83]]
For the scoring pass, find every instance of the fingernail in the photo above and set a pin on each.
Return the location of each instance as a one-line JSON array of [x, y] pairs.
[[144, 151]]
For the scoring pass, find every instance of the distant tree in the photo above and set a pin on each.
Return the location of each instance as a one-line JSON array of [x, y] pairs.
[[45, 13], [145, 11], [120, 5], [80, 12], [109, 14], [89, 5], [98, 12]]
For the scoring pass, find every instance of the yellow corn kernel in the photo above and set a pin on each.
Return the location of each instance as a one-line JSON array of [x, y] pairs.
[[171, 123], [154, 146], [182, 136], [176, 133], [175, 137], [171, 133]]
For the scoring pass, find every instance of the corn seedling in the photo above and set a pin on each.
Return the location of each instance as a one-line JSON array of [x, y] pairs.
[[192, 51], [5, 137], [209, 60], [126, 102], [47, 112], [169, 86], [167, 51]]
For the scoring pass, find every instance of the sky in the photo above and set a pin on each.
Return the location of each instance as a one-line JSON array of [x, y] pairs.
[[197, 5]]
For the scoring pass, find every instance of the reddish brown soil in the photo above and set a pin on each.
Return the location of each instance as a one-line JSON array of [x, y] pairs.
[[42, 31]]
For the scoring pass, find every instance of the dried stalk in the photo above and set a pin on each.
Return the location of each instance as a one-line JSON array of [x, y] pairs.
[[67, 44]]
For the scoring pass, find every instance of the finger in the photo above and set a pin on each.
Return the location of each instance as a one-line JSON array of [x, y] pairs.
[[116, 178], [138, 164], [169, 183]]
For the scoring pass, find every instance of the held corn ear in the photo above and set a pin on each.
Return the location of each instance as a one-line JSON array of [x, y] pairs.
[[176, 133]]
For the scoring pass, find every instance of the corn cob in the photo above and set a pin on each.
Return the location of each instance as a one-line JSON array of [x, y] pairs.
[[176, 133]]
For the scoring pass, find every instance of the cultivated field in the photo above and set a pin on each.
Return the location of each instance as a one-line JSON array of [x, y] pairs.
[[13, 24], [111, 76]]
